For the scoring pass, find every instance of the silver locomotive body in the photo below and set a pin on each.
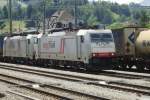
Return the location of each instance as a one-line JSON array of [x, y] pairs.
[[89, 49], [84, 48]]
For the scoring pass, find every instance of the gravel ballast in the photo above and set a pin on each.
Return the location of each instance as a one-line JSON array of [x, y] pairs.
[[79, 86]]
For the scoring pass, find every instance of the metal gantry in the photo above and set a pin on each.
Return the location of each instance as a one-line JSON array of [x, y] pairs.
[[10, 16], [44, 16], [75, 13]]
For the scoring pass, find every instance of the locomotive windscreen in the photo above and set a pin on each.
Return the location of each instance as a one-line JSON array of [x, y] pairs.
[[101, 37]]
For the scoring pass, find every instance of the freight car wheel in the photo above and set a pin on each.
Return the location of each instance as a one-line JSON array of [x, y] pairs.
[[92, 68], [140, 68], [129, 67], [124, 66], [115, 66], [89, 69], [148, 67]]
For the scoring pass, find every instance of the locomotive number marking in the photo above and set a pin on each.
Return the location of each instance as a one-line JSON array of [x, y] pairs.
[[101, 44]]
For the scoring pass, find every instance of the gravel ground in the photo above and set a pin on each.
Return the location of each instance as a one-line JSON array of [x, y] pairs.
[[33, 94], [101, 77], [94, 90], [134, 73], [4, 88]]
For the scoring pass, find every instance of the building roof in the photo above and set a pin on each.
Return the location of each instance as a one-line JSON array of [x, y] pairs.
[[63, 15]]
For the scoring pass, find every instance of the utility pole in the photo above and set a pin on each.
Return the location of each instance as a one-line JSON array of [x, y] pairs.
[[44, 16], [10, 16], [75, 13]]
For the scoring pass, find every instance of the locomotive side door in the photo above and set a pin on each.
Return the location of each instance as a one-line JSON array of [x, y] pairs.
[[35, 47], [79, 44], [29, 48], [32, 46]]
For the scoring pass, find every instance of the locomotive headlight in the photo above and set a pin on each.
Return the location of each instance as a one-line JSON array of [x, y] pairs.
[[93, 54], [112, 54]]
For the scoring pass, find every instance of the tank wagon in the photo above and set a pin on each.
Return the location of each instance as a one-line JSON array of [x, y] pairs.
[[89, 49], [132, 47]]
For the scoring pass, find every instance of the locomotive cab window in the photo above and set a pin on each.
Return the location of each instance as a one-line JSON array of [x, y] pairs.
[[28, 41], [103, 37], [82, 39], [35, 40]]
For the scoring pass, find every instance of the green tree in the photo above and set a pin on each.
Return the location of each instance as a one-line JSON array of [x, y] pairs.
[[92, 21], [107, 18], [19, 12], [30, 24], [136, 14], [124, 9], [1, 13], [5, 12], [72, 2], [29, 11], [144, 19], [2, 24], [85, 12]]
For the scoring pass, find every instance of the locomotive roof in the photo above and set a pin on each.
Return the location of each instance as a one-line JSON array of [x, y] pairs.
[[126, 28], [146, 31], [24, 33], [77, 32], [31, 36], [15, 37], [83, 32]]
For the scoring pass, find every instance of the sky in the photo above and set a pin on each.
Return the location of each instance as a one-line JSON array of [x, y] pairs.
[[122, 1]]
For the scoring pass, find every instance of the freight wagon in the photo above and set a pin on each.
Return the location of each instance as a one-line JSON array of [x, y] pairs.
[[130, 51]]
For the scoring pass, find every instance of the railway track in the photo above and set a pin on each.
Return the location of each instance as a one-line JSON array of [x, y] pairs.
[[124, 75], [2, 95], [144, 90], [59, 91], [15, 83], [23, 95], [105, 73]]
